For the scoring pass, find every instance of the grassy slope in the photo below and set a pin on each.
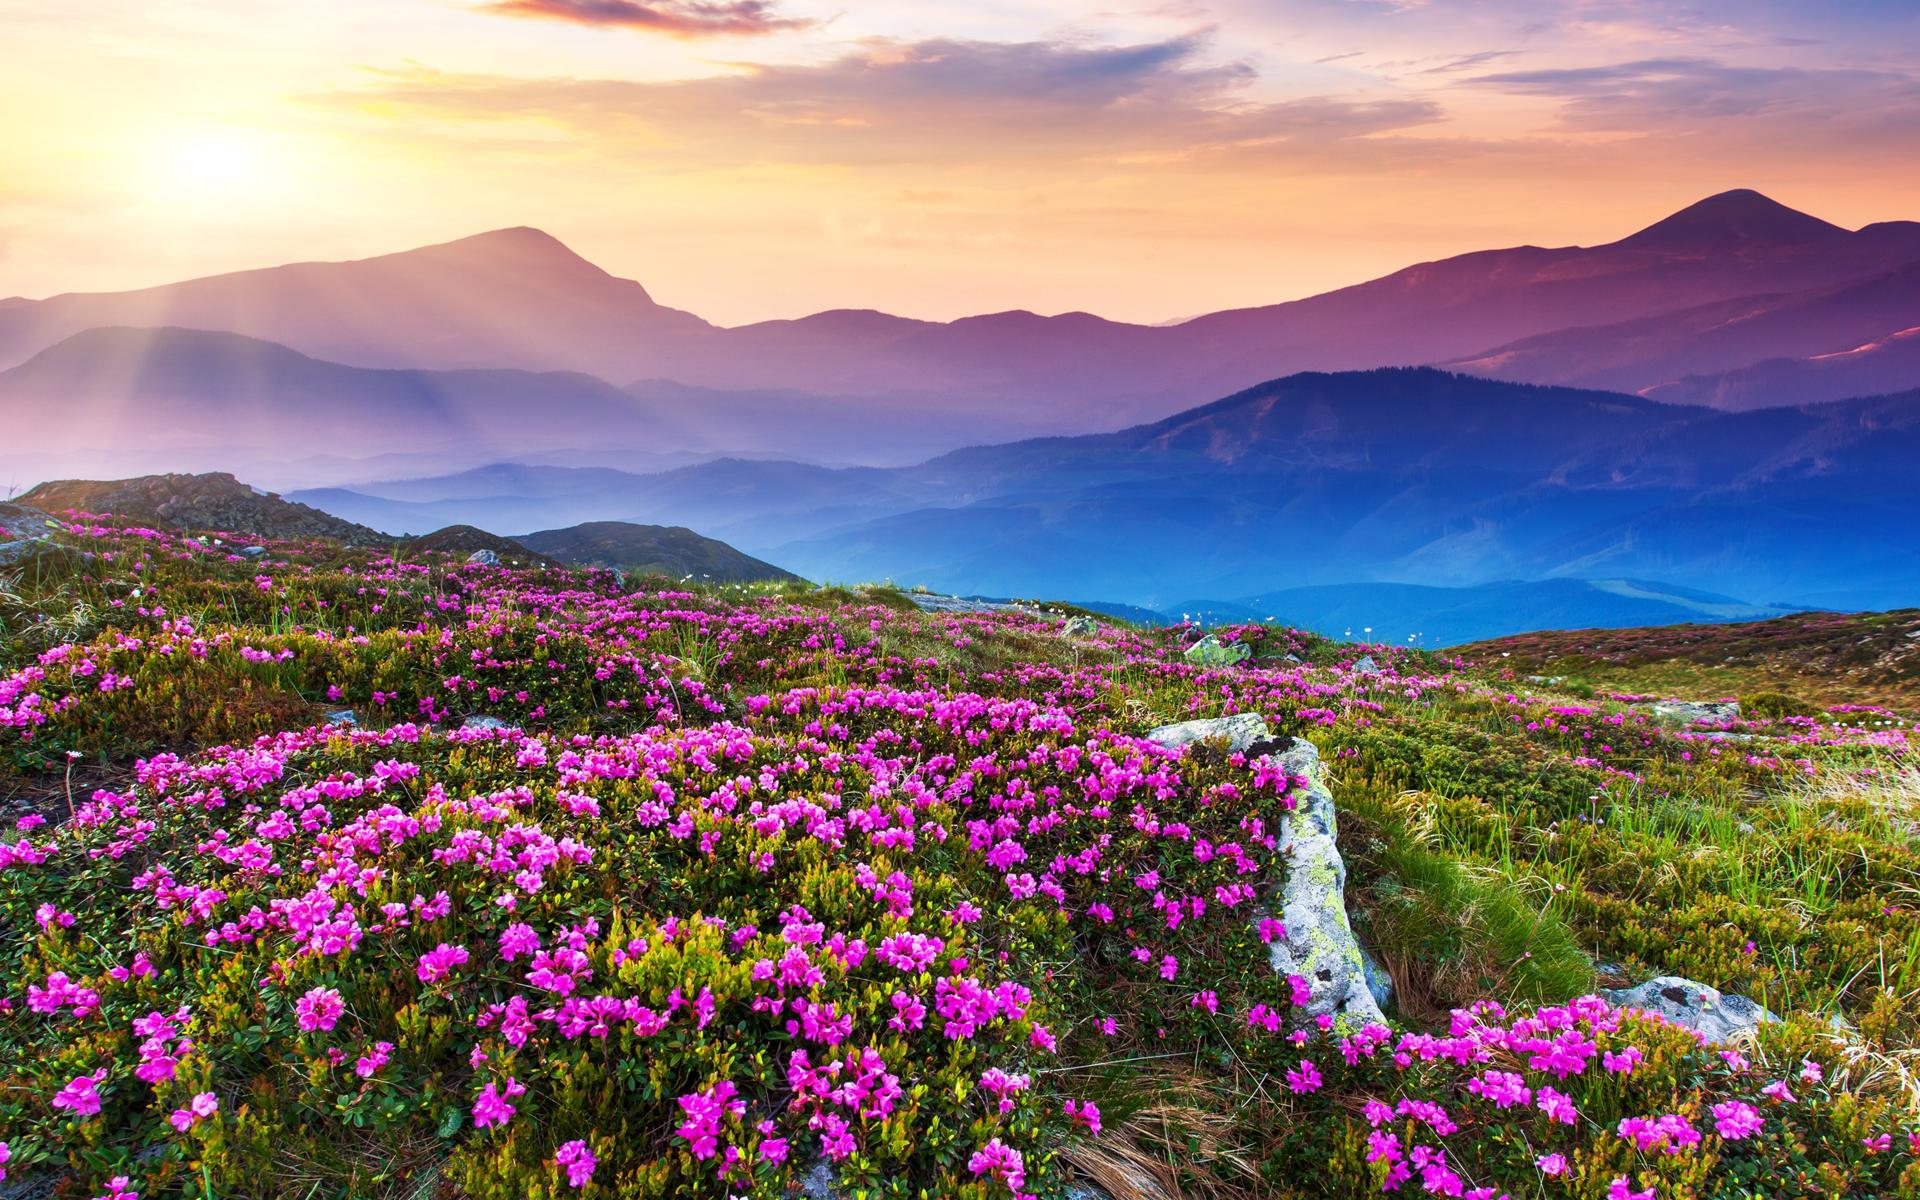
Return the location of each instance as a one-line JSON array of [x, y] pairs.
[[1502, 839], [1825, 658]]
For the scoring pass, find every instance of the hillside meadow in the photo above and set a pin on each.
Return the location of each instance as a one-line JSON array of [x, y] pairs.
[[330, 874]]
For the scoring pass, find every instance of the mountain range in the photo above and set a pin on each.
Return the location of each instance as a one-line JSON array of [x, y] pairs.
[[1400, 475], [1733, 302]]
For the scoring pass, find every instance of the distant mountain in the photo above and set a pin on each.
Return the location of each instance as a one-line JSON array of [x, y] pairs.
[[1678, 355], [1725, 283], [212, 502], [465, 540], [1885, 364], [653, 549], [1407, 475], [180, 389], [1409, 614], [509, 298]]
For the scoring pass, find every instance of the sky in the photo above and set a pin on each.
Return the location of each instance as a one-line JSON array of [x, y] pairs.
[[750, 159]]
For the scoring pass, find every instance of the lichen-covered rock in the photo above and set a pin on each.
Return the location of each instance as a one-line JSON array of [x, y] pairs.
[[1366, 666], [1717, 1017], [1697, 712], [1319, 946], [1210, 651], [1081, 627], [1239, 731]]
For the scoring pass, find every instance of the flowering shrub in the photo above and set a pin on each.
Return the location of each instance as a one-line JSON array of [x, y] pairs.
[[745, 889]]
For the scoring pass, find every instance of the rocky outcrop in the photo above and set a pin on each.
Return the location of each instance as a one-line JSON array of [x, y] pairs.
[[215, 501], [1715, 1016], [1210, 651], [1319, 945], [1696, 712], [1238, 732]]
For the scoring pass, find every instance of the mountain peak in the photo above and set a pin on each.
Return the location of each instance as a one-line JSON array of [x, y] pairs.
[[1741, 215]]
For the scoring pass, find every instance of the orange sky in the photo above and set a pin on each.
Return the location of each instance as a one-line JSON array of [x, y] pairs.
[[752, 158]]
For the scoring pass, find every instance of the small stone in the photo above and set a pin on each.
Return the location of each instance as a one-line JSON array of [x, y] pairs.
[[252, 551], [1366, 666], [342, 716], [1720, 1018], [477, 721]]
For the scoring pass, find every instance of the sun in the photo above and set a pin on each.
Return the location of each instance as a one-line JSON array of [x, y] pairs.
[[212, 161]]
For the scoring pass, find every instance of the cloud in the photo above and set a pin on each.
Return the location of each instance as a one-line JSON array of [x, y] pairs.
[[947, 101], [1654, 95], [678, 18], [1469, 61]]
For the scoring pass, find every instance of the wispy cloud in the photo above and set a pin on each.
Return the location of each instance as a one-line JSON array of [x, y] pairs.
[[945, 100], [1667, 95], [677, 18]]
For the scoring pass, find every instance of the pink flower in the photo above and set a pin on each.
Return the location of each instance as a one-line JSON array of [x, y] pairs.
[[319, 1010], [369, 1064], [81, 1096], [1001, 1161], [1620, 1189], [6, 1152], [1087, 1115], [578, 1162], [119, 1188], [491, 1108], [439, 962], [1305, 1078], [205, 1104], [1736, 1119], [1551, 1164]]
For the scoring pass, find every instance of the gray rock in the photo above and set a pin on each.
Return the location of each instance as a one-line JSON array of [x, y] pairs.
[[484, 558], [1081, 627], [932, 602], [1696, 712], [1319, 946], [342, 716], [252, 551], [1240, 731], [1210, 651], [1366, 666], [476, 721], [1720, 1018]]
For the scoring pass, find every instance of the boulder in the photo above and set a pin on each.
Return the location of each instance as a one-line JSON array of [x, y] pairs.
[[342, 716], [252, 551], [1717, 1017], [1210, 651], [1366, 666], [1239, 731], [1319, 946], [1697, 712], [1081, 627], [476, 721], [484, 558]]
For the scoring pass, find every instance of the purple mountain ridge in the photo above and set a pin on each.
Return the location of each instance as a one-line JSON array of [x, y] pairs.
[[1736, 300]]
